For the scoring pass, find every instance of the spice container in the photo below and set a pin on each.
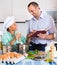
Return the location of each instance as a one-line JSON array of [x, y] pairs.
[[23, 48], [50, 53], [6, 49]]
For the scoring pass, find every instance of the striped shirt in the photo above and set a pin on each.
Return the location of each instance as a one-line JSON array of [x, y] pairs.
[[7, 38], [45, 22]]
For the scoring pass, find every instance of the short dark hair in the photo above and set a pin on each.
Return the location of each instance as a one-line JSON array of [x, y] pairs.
[[33, 3], [8, 29]]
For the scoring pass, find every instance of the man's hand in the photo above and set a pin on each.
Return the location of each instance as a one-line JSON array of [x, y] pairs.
[[29, 35], [42, 36]]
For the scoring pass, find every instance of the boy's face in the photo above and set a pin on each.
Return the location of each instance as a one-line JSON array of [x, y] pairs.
[[13, 26]]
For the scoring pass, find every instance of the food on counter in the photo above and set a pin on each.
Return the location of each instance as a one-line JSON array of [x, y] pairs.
[[17, 55], [48, 60], [10, 55], [1, 57], [36, 54], [31, 54], [50, 54], [36, 51], [4, 57]]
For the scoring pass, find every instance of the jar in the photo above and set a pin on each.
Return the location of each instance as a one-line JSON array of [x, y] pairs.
[[6, 49], [23, 48]]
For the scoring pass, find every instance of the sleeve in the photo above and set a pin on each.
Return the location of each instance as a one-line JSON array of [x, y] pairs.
[[52, 28], [5, 40], [23, 39]]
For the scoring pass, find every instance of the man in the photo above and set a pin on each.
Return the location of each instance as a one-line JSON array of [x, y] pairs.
[[11, 36], [40, 21]]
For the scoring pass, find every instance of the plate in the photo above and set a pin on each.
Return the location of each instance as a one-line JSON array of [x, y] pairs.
[[39, 55], [11, 57]]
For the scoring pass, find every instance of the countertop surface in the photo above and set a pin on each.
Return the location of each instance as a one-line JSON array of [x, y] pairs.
[[32, 62]]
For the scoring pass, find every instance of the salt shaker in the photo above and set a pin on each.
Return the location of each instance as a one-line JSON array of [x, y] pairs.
[[24, 49]]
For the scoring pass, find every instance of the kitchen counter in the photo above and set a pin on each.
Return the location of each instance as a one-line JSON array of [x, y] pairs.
[[32, 62]]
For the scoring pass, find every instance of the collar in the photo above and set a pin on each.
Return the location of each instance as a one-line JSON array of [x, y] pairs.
[[41, 16], [10, 34]]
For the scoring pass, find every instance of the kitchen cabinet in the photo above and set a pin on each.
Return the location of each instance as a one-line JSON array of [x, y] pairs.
[[18, 8], [5, 9]]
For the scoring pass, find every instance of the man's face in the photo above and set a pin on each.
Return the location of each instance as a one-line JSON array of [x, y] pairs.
[[13, 26], [33, 10]]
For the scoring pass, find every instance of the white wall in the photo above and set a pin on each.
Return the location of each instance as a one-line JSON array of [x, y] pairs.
[[18, 8], [22, 27], [45, 4], [5, 9]]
